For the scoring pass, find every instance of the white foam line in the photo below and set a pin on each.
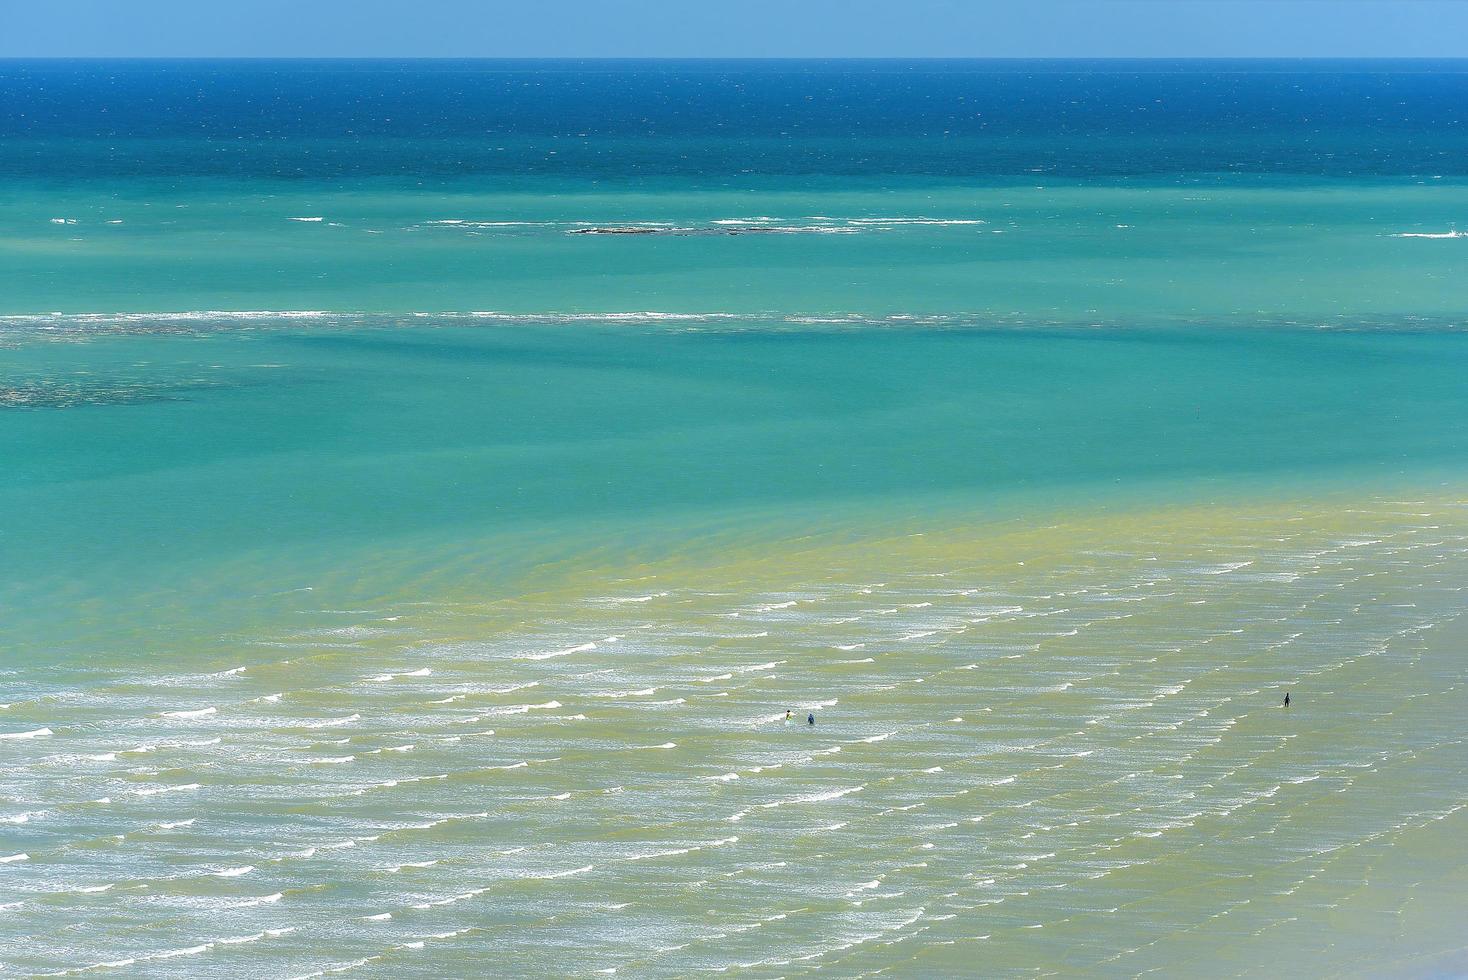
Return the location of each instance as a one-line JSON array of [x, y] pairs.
[[256, 937], [769, 666], [834, 794], [682, 850], [36, 733], [564, 874], [520, 709], [512, 688], [1227, 567], [410, 864], [583, 648], [334, 722], [421, 672]]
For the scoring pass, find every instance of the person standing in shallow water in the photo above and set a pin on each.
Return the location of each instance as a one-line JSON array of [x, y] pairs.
[[1287, 699], [810, 719]]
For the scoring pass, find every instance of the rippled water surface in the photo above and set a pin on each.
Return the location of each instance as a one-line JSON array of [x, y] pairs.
[[1073, 729]]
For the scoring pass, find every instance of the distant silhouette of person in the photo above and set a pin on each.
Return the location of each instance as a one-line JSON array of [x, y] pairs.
[[787, 714], [810, 718], [1287, 699]]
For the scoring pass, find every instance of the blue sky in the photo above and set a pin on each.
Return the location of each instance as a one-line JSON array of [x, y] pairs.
[[734, 28]]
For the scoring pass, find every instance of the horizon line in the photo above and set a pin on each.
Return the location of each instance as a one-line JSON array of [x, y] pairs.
[[564, 57]]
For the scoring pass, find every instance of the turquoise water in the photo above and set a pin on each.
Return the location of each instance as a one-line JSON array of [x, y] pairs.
[[1203, 248], [424, 488], [148, 463]]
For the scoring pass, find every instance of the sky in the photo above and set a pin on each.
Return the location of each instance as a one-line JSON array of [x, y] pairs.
[[734, 28]]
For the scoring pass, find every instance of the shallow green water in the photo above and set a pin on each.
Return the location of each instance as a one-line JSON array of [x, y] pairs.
[[1070, 730]]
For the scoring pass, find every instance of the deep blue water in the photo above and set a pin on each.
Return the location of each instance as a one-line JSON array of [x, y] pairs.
[[431, 121]]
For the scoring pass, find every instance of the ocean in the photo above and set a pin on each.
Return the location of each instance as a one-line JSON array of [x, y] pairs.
[[425, 487]]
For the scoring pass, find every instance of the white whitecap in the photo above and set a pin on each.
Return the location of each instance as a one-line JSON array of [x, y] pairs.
[[566, 874], [198, 713], [1455, 233], [35, 733], [583, 648], [254, 902], [421, 672], [334, 722]]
